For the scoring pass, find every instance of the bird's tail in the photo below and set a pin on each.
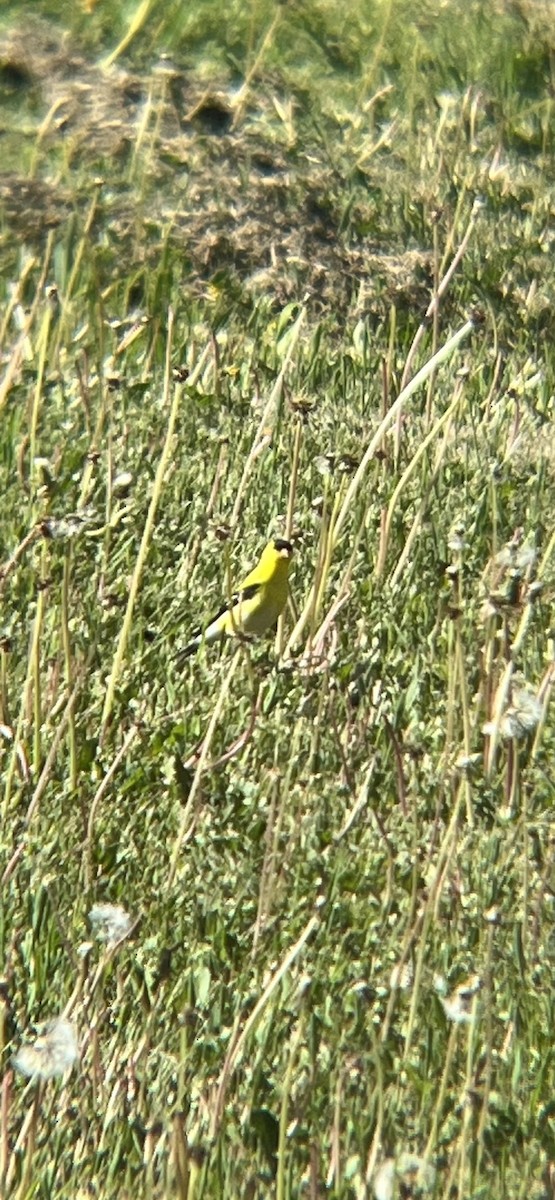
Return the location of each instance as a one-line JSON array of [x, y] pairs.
[[187, 651]]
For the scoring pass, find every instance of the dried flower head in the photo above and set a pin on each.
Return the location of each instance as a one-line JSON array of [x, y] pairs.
[[456, 539], [517, 555], [412, 1171], [440, 984], [52, 1053], [466, 762], [64, 528], [110, 922], [401, 977], [459, 1006], [521, 716], [122, 483], [384, 1180]]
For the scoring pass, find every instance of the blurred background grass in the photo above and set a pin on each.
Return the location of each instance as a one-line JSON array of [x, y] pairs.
[[291, 183]]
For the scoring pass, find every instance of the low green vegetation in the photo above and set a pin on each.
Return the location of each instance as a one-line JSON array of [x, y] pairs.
[[277, 270]]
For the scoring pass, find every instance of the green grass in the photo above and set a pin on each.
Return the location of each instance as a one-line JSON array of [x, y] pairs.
[[218, 273]]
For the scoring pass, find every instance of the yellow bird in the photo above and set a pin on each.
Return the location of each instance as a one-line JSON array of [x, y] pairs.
[[258, 602]]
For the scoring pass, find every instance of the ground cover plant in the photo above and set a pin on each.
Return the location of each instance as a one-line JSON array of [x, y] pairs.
[[278, 921]]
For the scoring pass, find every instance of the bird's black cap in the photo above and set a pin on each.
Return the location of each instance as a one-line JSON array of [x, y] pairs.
[[281, 544]]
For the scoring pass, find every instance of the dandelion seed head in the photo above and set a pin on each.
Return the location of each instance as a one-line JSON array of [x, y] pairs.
[[84, 949], [401, 977], [304, 986], [465, 762], [384, 1180], [51, 1054], [459, 1006], [456, 539], [487, 610], [110, 923], [509, 725], [526, 711], [410, 1169], [457, 1011], [521, 716], [440, 985], [61, 529], [361, 988], [526, 556], [413, 1169], [122, 483]]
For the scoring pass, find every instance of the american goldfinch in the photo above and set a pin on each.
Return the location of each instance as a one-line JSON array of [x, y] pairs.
[[258, 602]]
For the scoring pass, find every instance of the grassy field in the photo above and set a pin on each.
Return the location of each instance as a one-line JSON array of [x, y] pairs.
[[277, 270]]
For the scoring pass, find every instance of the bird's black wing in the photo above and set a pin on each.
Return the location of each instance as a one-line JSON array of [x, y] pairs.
[[237, 597]]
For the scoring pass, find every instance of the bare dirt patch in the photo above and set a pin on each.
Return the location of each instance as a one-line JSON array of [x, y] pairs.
[[244, 203]]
